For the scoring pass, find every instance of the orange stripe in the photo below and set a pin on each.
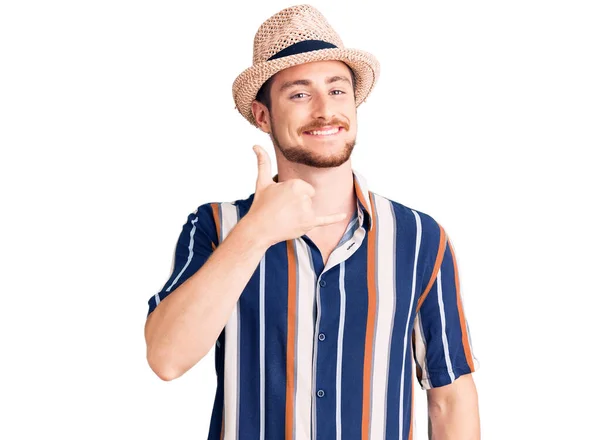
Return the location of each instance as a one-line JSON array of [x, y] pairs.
[[368, 358], [436, 267], [361, 196], [291, 343], [461, 315], [217, 217]]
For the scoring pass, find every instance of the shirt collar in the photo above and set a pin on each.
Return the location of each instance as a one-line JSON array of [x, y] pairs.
[[363, 199]]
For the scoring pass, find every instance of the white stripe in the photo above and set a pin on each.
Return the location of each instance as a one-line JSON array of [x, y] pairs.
[[304, 341], [384, 321], [190, 254], [262, 347], [229, 217], [412, 298], [443, 320], [340, 347]]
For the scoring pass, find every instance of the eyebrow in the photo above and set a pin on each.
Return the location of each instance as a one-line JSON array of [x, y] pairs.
[[306, 82]]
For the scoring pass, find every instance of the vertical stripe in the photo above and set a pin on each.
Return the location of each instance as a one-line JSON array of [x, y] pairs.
[[229, 216], [261, 317], [436, 266], [216, 211], [304, 341], [340, 347], [412, 298], [291, 339], [189, 259], [466, 341], [384, 323], [443, 322], [372, 298], [239, 329], [311, 261]]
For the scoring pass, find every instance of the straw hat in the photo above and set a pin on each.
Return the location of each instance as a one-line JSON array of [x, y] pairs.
[[298, 35]]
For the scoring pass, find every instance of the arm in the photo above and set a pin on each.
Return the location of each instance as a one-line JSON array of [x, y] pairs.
[[186, 323], [442, 347], [454, 411]]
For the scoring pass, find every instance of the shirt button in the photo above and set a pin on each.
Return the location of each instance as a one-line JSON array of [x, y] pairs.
[[322, 283], [320, 393], [321, 336]]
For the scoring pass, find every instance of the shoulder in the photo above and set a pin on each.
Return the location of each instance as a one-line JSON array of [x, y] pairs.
[[407, 215], [415, 223], [210, 216], [217, 209]]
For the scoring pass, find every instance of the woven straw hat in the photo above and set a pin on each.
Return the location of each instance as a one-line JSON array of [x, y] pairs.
[[298, 35]]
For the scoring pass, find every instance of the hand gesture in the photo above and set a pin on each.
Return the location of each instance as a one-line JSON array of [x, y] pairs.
[[284, 210]]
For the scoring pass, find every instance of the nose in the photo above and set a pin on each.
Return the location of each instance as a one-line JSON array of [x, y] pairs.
[[322, 107]]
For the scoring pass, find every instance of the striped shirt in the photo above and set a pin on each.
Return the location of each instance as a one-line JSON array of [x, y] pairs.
[[330, 351]]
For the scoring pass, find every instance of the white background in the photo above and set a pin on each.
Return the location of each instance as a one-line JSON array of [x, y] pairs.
[[117, 121]]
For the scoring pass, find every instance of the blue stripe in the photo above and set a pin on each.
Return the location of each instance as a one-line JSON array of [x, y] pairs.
[[405, 252], [192, 250], [354, 342], [276, 304], [249, 350], [453, 329], [326, 350]]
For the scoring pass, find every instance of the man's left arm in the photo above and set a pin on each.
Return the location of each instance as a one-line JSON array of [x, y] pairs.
[[454, 410], [444, 354]]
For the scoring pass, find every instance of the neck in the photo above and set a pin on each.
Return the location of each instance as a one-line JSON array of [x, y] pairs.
[[334, 187]]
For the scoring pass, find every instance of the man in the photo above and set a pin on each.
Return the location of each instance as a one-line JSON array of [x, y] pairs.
[[316, 293]]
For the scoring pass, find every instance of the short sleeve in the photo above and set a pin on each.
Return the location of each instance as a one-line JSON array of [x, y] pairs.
[[441, 339], [196, 242]]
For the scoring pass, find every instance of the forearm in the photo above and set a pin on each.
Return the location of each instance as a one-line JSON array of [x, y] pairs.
[[186, 324], [455, 418]]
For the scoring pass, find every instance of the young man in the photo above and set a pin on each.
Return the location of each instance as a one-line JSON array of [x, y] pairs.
[[317, 293]]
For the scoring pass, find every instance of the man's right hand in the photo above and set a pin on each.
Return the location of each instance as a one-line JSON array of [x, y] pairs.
[[283, 210]]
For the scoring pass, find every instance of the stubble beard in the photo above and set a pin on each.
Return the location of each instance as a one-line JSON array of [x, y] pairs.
[[297, 154]]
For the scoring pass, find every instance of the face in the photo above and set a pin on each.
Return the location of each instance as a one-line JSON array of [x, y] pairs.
[[313, 114]]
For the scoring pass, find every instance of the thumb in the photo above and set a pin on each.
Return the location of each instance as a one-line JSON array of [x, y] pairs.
[[264, 168]]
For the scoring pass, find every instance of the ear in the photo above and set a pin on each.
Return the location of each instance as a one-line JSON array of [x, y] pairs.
[[261, 116]]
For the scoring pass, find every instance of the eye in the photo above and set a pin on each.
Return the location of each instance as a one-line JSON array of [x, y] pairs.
[[297, 95], [341, 92]]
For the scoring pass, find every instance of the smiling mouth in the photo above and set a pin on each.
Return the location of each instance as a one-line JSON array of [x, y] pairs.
[[324, 132]]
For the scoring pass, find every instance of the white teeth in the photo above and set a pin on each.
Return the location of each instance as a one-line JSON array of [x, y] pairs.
[[325, 133]]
